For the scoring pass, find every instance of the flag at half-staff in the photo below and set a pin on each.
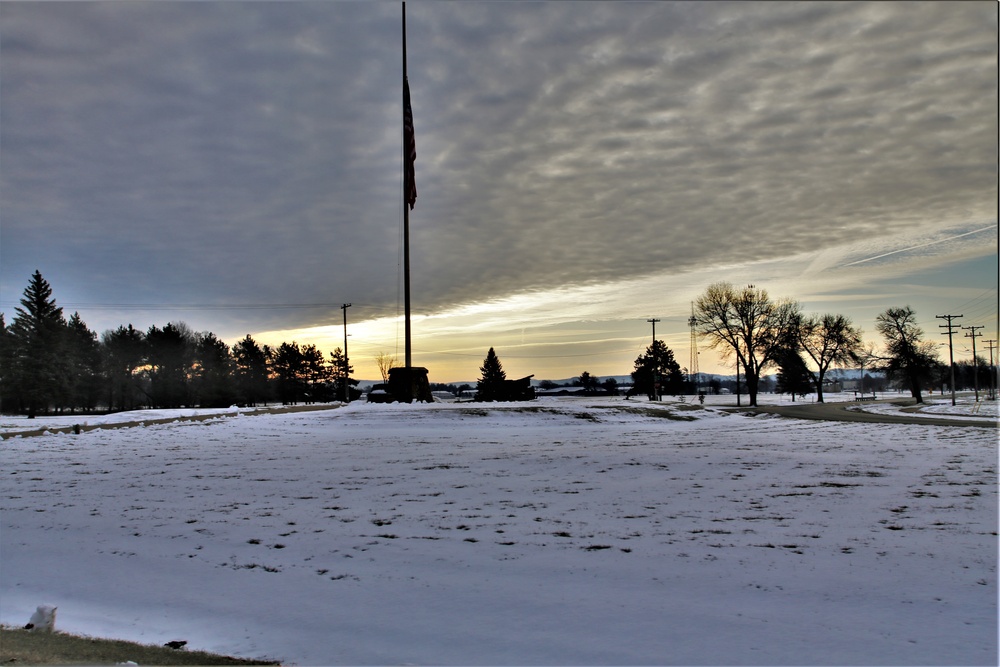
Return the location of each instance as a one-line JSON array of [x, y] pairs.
[[409, 148]]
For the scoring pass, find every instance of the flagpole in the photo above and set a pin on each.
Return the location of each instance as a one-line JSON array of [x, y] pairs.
[[408, 383], [406, 210]]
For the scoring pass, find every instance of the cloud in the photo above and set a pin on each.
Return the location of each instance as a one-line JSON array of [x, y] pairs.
[[754, 145], [922, 245], [249, 153]]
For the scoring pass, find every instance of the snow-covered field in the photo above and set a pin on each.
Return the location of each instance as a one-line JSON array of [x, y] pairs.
[[562, 531]]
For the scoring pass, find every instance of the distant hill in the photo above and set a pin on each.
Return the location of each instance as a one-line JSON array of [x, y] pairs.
[[622, 379], [833, 374]]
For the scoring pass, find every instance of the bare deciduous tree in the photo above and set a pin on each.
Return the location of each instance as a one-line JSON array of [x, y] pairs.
[[827, 340], [748, 324], [385, 362], [908, 354]]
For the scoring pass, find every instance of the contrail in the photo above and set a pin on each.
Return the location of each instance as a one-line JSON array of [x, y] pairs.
[[922, 245]]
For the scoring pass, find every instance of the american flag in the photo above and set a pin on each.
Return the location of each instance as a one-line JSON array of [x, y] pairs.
[[410, 148]]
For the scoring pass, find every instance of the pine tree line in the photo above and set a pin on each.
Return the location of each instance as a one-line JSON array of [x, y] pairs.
[[51, 364]]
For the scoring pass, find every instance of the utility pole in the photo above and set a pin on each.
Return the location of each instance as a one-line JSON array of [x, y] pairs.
[[656, 362], [951, 353], [347, 395], [693, 362], [975, 365], [993, 376]]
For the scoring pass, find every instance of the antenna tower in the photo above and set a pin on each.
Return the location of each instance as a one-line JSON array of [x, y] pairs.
[[693, 363]]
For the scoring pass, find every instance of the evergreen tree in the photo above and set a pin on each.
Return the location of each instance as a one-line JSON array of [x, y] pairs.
[[7, 400], [37, 361], [171, 356], [793, 374], [251, 372], [212, 380], [490, 384], [340, 380], [288, 366], [83, 361], [657, 366], [315, 375], [124, 353], [589, 383]]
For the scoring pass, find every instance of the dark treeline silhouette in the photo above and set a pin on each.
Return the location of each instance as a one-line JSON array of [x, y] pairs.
[[757, 332], [51, 364]]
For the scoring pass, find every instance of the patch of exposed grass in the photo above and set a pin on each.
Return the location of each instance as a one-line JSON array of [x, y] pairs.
[[21, 647], [659, 412]]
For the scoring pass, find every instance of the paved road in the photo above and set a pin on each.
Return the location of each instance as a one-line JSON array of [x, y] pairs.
[[840, 412]]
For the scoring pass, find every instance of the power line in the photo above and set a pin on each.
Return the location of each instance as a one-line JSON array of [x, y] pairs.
[[186, 306], [988, 294], [982, 306]]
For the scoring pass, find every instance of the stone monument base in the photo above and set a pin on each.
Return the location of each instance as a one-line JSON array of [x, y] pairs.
[[409, 384]]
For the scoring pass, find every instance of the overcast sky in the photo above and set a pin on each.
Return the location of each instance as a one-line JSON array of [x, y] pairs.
[[581, 167]]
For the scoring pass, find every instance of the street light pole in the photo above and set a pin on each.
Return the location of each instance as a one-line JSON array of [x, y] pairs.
[[347, 395]]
